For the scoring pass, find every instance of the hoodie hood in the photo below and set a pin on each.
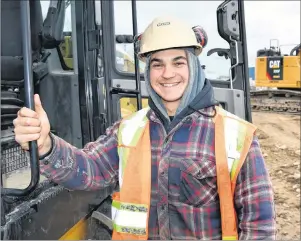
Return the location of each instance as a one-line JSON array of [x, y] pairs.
[[198, 94]]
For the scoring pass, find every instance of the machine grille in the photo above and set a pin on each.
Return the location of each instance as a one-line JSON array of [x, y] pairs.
[[13, 157]]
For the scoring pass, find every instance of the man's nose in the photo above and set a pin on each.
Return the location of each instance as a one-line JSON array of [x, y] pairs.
[[168, 72]]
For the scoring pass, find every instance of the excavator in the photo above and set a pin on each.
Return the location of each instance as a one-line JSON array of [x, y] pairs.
[[277, 80], [82, 97]]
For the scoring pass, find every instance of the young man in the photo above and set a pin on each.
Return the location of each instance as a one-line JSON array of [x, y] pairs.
[[186, 168]]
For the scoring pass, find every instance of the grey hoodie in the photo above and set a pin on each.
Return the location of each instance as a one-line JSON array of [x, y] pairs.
[[198, 94]]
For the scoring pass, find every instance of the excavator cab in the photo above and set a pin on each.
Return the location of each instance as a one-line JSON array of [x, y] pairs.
[[87, 77], [272, 51]]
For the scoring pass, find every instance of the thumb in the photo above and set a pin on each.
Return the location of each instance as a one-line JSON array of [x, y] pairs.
[[38, 105]]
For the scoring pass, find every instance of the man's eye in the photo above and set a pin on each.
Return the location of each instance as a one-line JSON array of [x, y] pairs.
[[156, 65], [179, 63]]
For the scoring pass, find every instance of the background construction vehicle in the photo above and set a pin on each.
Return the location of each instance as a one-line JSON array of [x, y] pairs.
[[81, 99], [278, 75]]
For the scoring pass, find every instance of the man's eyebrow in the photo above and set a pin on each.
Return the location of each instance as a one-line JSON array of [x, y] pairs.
[[156, 60], [174, 59], [179, 57]]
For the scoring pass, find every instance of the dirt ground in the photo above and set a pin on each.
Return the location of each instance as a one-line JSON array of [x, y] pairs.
[[279, 136]]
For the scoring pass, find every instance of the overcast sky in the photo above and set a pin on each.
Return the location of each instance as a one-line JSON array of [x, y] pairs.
[[265, 20]]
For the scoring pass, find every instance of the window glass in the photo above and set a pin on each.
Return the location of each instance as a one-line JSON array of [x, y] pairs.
[[45, 6], [66, 45], [201, 13]]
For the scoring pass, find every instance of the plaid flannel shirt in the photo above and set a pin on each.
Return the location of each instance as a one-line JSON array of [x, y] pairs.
[[184, 198]]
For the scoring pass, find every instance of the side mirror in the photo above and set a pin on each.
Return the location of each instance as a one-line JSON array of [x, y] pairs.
[[227, 20], [53, 26]]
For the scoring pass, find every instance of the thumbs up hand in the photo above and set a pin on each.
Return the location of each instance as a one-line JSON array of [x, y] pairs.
[[33, 125]]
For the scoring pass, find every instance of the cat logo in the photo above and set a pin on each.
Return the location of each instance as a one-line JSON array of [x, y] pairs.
[[274, 64], [163, 24]]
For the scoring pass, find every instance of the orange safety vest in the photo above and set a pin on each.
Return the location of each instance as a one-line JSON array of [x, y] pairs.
[[130, 206]]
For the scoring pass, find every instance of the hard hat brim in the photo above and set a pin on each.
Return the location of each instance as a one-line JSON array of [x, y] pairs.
[[142, 55]]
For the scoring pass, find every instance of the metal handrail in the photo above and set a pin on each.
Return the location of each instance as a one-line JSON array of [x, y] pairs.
[[29, 103]]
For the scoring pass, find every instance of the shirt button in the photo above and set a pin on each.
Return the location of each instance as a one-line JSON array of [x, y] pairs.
[[188, 120], [46, 162], [199, 175]]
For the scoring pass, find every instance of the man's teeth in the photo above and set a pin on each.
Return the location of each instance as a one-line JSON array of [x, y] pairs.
[[170, 85]]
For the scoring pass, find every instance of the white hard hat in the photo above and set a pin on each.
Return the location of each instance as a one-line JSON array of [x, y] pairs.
[[168, 32]]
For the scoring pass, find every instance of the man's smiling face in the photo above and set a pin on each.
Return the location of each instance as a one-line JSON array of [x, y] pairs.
[[169, 74]]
